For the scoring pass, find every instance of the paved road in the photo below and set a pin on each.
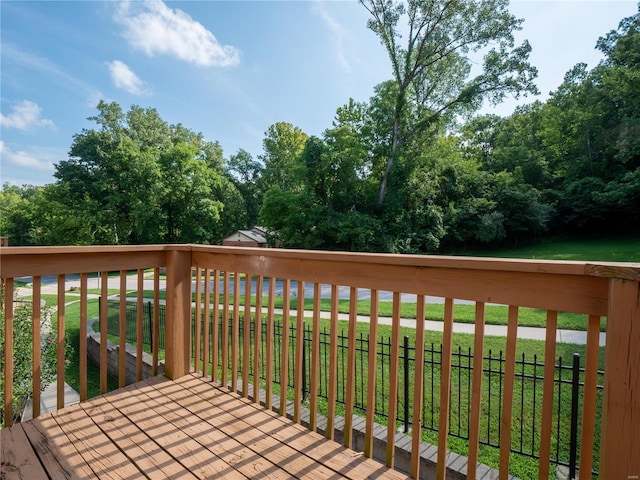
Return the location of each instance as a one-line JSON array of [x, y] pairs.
[[50, 284], [562, 336]]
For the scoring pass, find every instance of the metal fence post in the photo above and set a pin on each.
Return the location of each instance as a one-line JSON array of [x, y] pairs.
[[405, 353], [150, 315], [304, 363]]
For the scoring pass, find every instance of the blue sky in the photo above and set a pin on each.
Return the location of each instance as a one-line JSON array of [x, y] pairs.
[[226, 69]]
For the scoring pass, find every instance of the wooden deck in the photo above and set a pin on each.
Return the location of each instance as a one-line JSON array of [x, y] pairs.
[[184, 429]]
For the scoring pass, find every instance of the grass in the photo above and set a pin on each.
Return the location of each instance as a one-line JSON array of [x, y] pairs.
[[495, 314], [626, 249], [72, 330]]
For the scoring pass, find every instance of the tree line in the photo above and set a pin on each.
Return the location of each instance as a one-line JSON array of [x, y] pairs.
[[412, 170]]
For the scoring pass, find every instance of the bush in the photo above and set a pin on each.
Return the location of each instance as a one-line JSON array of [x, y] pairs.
[[23, 355]]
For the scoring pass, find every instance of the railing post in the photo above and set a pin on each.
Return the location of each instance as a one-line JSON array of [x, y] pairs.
[[620, 437], [178, 313]]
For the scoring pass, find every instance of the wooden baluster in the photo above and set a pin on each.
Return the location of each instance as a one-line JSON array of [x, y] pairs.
[[547, 395], [445, 380], [418, 379], [315, 360], [122, 331], [235, 331], [206, 319], [351, 368], [476, 390], [215, 334], [246, 346], [299, 372], [284, 352], [197, 341], [37, 340], [104, 294], [371, 375], [155, 341], [589, 401], [60, 342], [257, 340], [224, 334], [333, 364], [139, 324], [8, 352], [393, 381], [83, 338], [507, 400], [269, 344]]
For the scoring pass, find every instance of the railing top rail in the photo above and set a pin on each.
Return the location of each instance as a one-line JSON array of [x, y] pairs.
[[75, 249], [623, 270], [32, 261], [627, 270]]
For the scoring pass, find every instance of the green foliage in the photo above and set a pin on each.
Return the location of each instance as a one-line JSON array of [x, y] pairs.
[[283, 144], [395, 173], [23, 355], [139, 180], [432, 68], [244, 173]]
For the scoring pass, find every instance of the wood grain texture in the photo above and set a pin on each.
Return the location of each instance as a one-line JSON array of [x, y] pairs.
[[185, 429], [547, 395], [392, 407], [18, 461], [620, 433], [371, 377], [476, 390]]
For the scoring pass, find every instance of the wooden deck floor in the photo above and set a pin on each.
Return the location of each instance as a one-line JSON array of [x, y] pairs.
[[184, 429]]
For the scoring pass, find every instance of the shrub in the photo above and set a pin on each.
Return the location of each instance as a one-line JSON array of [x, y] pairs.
[[23, 355]]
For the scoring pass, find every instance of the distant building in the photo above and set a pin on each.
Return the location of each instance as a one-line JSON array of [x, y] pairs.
[[4, 241], [256, 237]]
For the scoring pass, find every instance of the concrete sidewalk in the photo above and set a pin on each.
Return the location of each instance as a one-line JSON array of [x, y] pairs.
[[49, 400], [532, 333]]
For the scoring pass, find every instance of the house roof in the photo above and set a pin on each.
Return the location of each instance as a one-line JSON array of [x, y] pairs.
[[256, 234]]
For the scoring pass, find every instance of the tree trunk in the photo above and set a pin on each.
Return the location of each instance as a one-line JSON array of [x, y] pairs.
[[394, 148]]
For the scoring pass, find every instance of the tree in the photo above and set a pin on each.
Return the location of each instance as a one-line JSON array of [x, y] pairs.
[[283, 145], [138, 180], [244, 173], [17, 213], [431, 71]]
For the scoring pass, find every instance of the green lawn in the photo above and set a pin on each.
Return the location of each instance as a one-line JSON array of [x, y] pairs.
[[625, 249], [494, 314]]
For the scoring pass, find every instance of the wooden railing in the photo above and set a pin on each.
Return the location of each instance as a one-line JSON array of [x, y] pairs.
[[594, 290]]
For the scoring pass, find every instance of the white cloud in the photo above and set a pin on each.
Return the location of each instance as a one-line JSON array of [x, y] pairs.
[[25, 116], [94, 98], [154, 28], [338, 31], [124, 78], [23, 159]]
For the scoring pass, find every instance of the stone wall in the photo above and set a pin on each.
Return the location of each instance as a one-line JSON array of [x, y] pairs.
[[113, 352]]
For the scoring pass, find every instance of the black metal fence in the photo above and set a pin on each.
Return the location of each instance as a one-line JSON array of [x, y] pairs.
[[568, 383]]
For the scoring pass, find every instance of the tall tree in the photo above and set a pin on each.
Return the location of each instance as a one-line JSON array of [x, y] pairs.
[[283, 145], [142, 180], [244, 173], [432, 69]]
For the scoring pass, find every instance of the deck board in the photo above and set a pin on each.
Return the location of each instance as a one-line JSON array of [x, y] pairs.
[[184, 429]]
